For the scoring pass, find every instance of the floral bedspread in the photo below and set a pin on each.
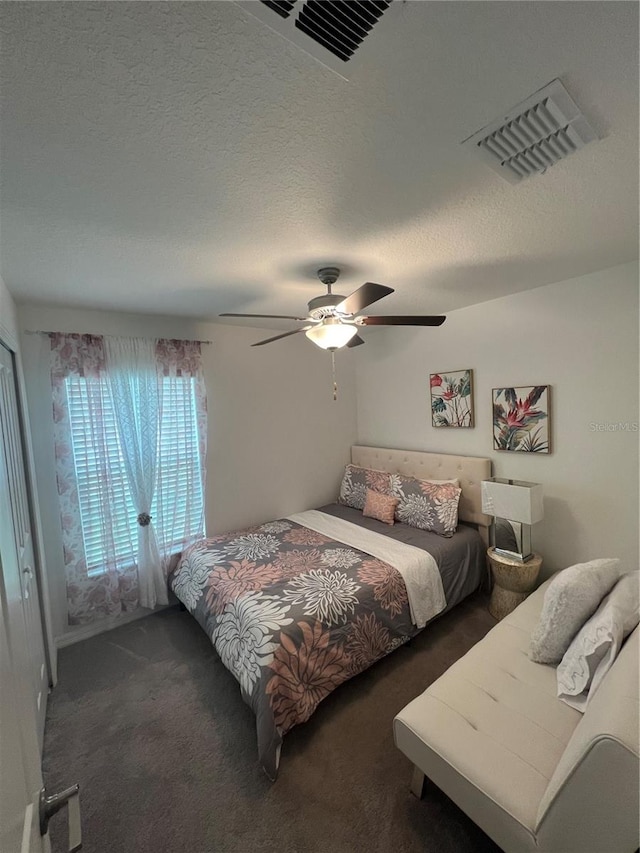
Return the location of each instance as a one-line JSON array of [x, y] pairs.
[[292, 614]]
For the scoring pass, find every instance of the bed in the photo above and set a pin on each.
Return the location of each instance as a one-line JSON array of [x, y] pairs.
[[296, 606]]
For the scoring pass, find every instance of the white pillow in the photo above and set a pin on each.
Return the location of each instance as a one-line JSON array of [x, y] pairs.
[[454, 482], [570, 599], [595, 647]]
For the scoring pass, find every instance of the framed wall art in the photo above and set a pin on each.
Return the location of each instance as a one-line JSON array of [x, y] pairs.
[[522, 419], [452, 398]]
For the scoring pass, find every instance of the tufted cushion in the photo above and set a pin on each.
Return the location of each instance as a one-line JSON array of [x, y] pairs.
[[495, 719], [532, 772], [596, 645], [571, 598]]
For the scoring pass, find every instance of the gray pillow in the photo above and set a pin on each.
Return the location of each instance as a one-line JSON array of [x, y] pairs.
[[570, 599], [356, 481], [596, 645], [427, 504]]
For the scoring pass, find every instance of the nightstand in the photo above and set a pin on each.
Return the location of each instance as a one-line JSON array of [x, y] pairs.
[[512, 582]]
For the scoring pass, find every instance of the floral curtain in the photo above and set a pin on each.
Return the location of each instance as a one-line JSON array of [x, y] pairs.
[[132, 378]]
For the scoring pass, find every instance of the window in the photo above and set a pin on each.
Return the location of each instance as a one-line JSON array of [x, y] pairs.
[[109, 524]]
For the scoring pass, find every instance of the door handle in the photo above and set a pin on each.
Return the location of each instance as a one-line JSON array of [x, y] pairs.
[[28, 574], [51, 805]]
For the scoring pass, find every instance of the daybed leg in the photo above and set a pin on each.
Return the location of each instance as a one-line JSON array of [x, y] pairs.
[[417, 782]]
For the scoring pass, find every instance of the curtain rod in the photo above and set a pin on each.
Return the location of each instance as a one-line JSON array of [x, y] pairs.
[[155, 337]]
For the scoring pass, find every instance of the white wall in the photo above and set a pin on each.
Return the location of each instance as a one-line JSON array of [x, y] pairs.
[[579, 336], [277, 441]]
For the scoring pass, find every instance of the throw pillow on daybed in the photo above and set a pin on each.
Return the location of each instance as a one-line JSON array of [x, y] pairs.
[[596, 645], [570, 599]]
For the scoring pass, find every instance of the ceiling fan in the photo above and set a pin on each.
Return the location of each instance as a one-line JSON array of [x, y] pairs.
[[332, 322]]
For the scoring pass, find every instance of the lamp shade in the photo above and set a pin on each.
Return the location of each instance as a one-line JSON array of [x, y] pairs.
[[331, 333], [514, 500]]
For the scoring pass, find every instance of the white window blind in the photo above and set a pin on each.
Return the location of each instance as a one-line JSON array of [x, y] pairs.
[[109, 524]]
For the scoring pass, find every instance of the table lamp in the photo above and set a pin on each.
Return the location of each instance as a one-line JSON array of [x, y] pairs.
[[515, 506]]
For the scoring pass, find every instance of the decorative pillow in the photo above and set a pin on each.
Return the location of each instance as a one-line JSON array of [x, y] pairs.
[[595, 647], [356, 481], [571, 598], [380, 506], [425, 504]]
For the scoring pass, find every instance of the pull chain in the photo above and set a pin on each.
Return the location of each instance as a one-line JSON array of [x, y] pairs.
[[333, 374]]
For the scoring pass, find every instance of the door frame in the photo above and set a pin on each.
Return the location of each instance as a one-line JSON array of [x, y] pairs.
[[9, 340]]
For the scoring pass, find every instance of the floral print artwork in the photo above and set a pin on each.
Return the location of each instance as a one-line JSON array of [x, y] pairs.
[[292, 615], [452, 399], [521, 419]]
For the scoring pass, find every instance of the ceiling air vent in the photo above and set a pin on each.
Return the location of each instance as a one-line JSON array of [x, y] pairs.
[[282, 7], [534, 135], [332, 31], [340, 26]]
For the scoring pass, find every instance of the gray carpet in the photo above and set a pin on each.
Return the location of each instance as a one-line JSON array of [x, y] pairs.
[[152, 725]]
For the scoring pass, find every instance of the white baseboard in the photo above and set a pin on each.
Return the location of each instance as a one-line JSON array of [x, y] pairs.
[[84, 632]]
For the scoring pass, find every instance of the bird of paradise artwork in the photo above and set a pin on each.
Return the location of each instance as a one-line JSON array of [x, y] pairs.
[[521, 419], [452, 399]]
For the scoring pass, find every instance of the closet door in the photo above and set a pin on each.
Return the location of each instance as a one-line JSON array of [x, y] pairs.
[[22, 590], [20, 775]]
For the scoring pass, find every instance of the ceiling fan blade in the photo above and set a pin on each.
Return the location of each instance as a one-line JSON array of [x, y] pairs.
[[402, 321], [285, 335], [362, 297], [268, 316], [355, 341]]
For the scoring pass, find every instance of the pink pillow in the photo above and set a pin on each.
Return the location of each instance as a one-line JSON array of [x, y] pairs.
[[380, 506]]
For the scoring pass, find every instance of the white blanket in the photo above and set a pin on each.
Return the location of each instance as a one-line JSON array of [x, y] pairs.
[[419, 570]]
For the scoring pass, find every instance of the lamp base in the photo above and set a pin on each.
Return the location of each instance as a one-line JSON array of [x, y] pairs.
[[512, 539]]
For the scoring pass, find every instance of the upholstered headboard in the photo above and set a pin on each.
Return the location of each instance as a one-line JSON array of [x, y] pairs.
[[470, 470]]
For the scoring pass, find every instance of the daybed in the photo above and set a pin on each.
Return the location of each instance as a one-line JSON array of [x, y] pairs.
[[532, 772]]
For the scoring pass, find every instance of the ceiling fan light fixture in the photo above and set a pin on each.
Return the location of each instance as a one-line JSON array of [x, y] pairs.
[[331, 334], [335, 320]]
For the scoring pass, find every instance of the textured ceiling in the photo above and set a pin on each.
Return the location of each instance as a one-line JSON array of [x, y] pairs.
[[182, 158]]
